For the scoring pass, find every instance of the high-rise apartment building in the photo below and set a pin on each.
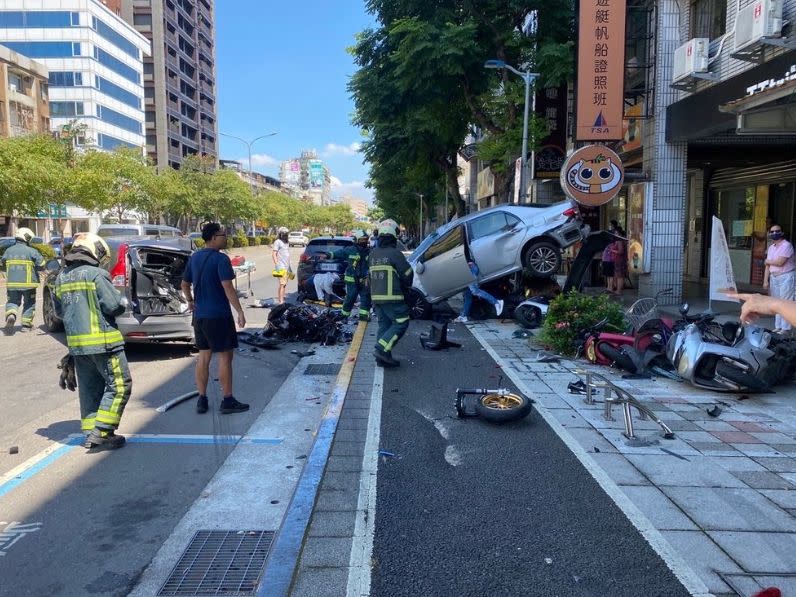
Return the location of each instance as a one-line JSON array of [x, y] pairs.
[[95, 62], [307, 177], [24, 108], [179, 78]]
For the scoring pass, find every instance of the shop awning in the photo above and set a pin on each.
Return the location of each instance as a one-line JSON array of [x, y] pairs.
[[769, 112]]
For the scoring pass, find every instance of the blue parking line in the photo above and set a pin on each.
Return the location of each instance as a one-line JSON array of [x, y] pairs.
[[42, 464], [73, 442]]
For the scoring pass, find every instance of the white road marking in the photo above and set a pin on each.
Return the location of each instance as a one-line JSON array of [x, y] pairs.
[[15, 531], [691, 581], [365, 525]]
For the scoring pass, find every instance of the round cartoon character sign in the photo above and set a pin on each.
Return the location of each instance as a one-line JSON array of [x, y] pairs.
[[592, 175]]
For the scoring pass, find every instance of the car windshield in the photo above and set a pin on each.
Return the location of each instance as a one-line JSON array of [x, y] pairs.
[[327, 245]]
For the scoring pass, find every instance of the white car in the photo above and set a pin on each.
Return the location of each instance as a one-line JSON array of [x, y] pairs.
[[297, 239]]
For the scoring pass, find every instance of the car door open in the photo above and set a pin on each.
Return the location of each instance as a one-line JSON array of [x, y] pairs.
[[495, 242], [442, 269]]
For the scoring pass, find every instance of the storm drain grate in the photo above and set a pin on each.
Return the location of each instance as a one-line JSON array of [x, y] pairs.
[[322, 369], [220, 563]]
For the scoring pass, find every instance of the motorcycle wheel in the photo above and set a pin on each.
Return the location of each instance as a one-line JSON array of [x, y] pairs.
[[619, 358], [502, 409], [747, 381], [528, 316]]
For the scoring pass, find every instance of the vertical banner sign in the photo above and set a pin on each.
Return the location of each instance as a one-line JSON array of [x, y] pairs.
[[722, 279], [601, 70]]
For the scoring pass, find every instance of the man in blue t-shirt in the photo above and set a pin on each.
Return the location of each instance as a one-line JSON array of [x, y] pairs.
[[210, 273]]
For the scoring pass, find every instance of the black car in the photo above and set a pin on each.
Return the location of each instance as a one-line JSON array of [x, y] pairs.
[[313, 260]]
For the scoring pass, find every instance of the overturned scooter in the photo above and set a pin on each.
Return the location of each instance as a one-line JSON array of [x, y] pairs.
[[744, 358]]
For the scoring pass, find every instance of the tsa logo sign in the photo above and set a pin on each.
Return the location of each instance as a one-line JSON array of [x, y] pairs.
[[592, 176]]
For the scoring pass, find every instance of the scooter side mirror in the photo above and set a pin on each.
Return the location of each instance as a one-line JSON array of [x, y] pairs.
[[684, 309]]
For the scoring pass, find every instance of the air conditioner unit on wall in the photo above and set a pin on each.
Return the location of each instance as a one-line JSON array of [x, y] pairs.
[[690, 59], [761, 19]]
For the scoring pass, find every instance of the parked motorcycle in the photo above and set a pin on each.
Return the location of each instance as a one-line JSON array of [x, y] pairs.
[[731, 357]]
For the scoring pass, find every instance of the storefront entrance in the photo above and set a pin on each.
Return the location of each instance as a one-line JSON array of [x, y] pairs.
[[747, 212]]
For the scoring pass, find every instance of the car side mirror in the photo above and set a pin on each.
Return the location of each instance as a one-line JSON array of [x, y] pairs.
[[684, 309], [420, 267], [52, 266]]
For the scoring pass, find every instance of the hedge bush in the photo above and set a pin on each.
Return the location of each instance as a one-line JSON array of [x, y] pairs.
[[254, 241], [230, 242], [571, 313], [240, 240], [200, 243], [267, 240]]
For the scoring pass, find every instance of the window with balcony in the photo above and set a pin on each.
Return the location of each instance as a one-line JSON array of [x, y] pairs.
[[708, 18], [16, 83], [142, 20]]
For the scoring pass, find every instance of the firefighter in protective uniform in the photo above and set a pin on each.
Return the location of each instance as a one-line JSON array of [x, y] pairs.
[[22, 264], [357, 283], [390, 276], [88, 304]]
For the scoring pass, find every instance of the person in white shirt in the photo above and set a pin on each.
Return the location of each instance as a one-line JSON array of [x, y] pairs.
[[281, 256], [324, 287]]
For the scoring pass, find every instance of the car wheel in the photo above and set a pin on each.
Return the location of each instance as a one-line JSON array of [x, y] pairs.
[[419, 307], [543, 259], [51, 321]]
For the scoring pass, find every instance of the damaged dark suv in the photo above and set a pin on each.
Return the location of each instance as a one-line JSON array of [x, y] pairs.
[[148, 272]]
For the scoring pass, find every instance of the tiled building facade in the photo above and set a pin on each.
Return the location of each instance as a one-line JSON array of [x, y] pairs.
[[179, 79], [24, 108]]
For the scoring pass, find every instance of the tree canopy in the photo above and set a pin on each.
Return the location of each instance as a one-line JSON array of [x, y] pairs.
[[421, 87], [37, 171]]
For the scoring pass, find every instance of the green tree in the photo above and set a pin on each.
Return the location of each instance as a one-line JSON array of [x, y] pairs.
[[421, 85]]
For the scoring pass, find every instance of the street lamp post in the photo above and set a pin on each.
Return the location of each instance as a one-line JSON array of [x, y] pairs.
[[420, 233], [249, 145], [529, 79]]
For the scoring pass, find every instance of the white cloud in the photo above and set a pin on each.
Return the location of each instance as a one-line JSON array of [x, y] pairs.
[[333, 149], [354, 188], [262, 160]]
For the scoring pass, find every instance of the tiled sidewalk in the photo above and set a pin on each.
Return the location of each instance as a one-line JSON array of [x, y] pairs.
[[722, 493]]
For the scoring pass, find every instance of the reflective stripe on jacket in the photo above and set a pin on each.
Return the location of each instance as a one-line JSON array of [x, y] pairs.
[[21, 263], [88, 304], [390, 274], [357, 260]]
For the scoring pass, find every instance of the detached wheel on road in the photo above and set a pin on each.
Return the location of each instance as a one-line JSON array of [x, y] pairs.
[[502, 408], [51, 321], [419, 307], [543, 259]]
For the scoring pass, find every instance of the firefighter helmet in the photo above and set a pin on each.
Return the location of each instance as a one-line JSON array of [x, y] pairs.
[[24, 234], [389, 227], [94, 246]]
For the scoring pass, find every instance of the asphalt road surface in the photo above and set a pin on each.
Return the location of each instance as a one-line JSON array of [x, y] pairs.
[[90, 523], [469, 508]]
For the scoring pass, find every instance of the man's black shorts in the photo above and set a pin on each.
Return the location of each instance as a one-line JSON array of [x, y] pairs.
[[216, 335], [608, 269]]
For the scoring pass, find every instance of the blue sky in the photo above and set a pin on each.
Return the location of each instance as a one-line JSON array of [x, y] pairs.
[[283, 66]]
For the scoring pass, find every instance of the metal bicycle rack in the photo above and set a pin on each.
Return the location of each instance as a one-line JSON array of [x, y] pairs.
[[613, 394]]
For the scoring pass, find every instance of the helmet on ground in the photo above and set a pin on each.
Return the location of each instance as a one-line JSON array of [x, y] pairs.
[[24, 234], [389, 227], [94, 246]]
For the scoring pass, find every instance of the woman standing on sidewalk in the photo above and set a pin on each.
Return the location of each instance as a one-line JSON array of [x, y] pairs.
[[619, 252], [779, 274]]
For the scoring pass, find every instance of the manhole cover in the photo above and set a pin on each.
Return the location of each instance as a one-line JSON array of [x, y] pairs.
[[220, 563], [322, 369]]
